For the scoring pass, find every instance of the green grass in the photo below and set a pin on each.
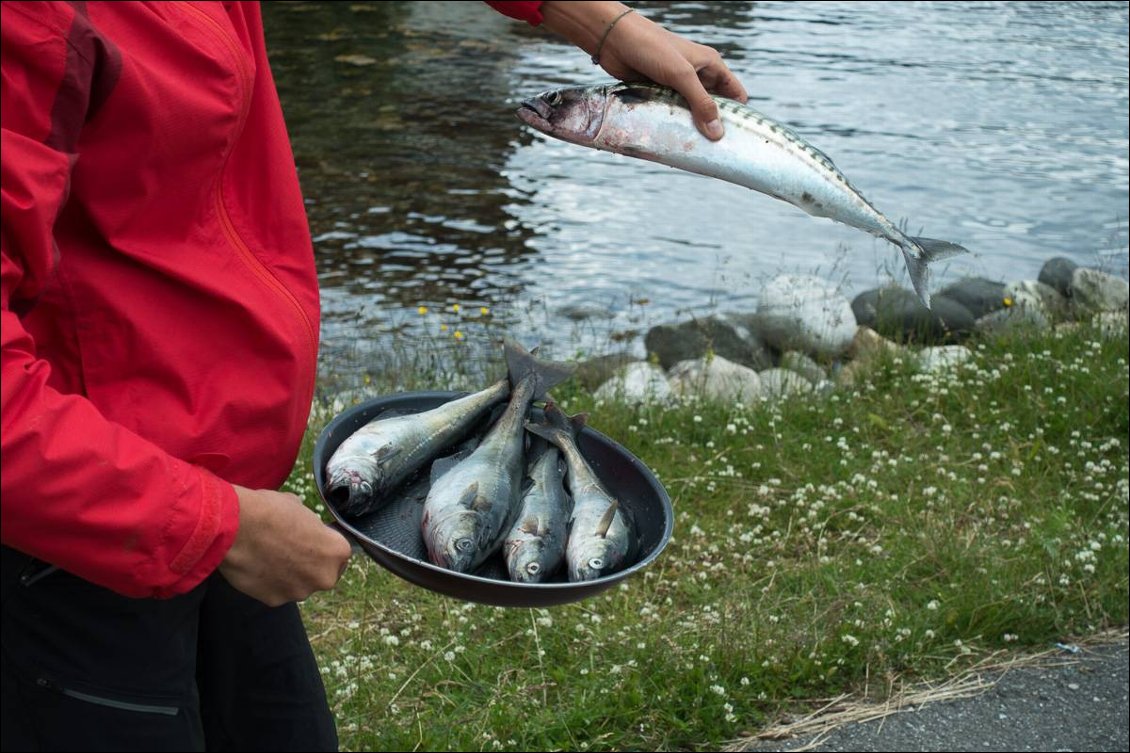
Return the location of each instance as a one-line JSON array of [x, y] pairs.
[[900, 528]]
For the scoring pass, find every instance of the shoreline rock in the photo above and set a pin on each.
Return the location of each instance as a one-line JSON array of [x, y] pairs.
[[805, 336]]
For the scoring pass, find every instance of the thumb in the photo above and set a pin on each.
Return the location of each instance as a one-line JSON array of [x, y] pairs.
[[704, 110]]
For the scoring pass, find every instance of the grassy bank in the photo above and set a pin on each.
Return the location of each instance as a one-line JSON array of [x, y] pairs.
[[900, 528]]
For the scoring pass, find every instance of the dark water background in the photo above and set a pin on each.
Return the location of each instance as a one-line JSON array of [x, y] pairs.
[[1001, 126]]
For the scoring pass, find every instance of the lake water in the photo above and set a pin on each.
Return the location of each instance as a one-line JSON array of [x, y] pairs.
[[1000, 126]]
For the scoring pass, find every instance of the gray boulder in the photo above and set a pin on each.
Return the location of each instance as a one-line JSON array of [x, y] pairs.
[[780, 383], [943, 357], [805, 313], [1040, 296], [1093, 291], [715, 379], [799, 363], [977, 294], [1057, 272], [638, 382], [721, 335], [898, 314]]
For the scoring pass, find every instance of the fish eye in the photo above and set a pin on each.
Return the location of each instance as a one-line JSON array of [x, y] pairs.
[[596, 563], [533, 568], [464, 545], [553, 99]]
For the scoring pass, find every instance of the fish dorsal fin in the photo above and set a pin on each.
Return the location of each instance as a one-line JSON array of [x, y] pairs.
[[606, 519]]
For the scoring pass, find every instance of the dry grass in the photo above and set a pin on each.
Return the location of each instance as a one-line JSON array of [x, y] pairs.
[[829, 715]]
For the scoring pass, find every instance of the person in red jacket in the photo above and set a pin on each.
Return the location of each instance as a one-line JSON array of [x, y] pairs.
[[159, 341]]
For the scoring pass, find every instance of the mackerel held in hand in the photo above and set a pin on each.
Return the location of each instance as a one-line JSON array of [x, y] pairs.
[[654, 123]]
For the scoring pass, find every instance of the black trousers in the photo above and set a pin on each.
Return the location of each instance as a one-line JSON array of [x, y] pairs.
[[86, 669]]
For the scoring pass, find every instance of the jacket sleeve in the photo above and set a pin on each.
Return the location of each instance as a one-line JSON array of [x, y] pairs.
[[77, 490], [530, 12]]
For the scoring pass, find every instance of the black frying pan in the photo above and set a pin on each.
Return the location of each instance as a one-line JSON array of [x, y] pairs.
[[391, 535]]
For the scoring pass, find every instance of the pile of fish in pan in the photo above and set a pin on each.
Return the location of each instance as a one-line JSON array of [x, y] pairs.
[[544, 507]]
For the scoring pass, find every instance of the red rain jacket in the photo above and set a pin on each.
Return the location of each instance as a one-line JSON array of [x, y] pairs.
[[530, 12], [160, 303]]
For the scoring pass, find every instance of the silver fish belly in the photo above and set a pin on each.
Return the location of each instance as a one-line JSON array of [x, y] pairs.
[[654, 123], [534, 548], [378, 457]]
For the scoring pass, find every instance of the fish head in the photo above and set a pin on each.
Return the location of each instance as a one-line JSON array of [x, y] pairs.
[[358, 478], [594, 557], [573, 114], [352, 484], [526, 560], [453, 541]]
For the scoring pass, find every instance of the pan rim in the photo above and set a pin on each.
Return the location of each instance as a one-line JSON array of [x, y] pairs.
[[577, 589]]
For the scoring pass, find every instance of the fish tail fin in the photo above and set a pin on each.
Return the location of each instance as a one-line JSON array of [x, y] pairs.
[[521, 363], [918, 253], [557, 418], [556, 427], [552, 434]]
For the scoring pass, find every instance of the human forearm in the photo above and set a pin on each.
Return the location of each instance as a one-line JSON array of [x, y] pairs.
[[283, 551]]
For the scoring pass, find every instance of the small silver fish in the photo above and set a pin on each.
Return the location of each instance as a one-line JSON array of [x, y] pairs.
[[386, 452], [535, 546], [470, 506], [654, 123], [602, 535]]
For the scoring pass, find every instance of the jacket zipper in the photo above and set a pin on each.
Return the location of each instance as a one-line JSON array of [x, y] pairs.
[[250, 259]]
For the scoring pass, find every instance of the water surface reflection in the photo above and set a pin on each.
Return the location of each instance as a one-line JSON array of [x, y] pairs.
[[1002, 126]]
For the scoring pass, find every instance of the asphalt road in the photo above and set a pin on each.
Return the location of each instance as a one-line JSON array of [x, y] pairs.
[[1061, 701]]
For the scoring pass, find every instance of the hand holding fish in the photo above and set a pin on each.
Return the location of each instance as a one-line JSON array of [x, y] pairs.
[[633, 48], [283, 551]]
